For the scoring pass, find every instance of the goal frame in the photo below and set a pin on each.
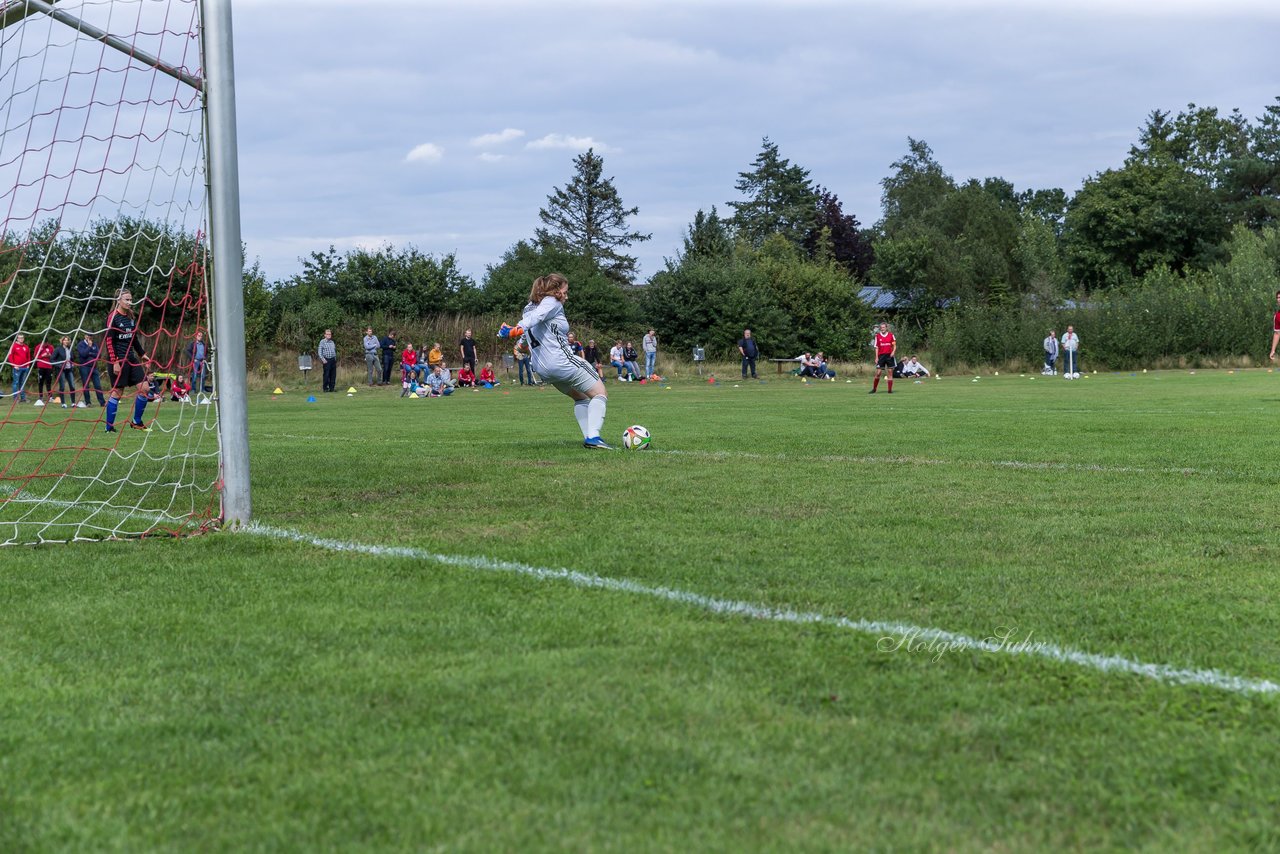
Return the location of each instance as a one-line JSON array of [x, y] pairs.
[[222, 184]]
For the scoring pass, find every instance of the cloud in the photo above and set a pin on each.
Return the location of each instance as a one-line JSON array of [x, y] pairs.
[[490, 157], [573, 143], [428, 152], [488, 139]]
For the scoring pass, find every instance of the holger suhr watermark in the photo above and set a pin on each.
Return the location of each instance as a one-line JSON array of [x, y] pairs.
[[936, 644]]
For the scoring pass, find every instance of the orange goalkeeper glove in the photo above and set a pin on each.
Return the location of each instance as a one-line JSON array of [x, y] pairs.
[[505, 331]]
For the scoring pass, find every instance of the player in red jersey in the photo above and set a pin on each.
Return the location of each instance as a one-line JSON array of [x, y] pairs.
[[886, 348], [1275, 335]]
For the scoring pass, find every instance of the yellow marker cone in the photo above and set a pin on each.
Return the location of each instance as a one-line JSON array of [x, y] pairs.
[[351, 390], [413, 394], [278, 390]]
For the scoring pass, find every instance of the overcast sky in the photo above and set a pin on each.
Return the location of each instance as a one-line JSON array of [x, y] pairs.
[[445, 125]]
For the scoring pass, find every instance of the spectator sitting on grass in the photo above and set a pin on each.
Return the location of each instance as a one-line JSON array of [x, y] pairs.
[[820, 361], [808, 368], [439, 383], [180, 389], [487, 376], [913, 368], [466, 379]]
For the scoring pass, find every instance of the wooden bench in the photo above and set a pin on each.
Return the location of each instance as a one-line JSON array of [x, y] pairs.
[[781, 362]]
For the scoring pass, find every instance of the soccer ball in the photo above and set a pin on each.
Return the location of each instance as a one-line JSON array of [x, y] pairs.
[[635, 438]]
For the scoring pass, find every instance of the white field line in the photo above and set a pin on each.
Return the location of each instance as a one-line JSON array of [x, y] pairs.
[[898, 635]]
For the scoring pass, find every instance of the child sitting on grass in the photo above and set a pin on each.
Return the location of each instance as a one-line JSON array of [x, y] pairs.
[[180, 389], [487, 379], [466, 379]]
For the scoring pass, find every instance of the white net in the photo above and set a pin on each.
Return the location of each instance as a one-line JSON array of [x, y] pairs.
[[102, 189]]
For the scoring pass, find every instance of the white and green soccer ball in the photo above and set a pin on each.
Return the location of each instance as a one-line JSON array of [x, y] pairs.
[[635, 438]]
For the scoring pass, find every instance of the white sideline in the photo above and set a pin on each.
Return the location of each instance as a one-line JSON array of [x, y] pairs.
[[925, 637]]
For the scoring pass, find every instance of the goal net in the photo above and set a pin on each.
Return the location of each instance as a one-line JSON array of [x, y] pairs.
[[103, 189]]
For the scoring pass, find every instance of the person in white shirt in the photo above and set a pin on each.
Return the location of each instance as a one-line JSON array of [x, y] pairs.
[[1050, 354], [545, 326], [1071, 354], [615, 359], [913, 368]]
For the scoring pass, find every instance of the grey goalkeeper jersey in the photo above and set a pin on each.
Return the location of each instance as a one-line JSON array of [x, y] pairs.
[[546, 330]]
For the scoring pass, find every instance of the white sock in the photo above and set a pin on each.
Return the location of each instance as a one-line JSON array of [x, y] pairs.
[[580, 413], [595, 416]]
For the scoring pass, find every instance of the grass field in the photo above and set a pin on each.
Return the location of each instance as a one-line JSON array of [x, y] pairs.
[[457, 629]]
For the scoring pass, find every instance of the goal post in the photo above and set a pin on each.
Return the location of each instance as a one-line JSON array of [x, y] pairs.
[[118, 172], [228, 268]]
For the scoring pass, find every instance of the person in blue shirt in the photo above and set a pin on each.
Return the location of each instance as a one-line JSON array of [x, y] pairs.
[[87, 365], [198, 356]]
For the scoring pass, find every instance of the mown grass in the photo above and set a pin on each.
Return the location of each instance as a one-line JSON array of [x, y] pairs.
[[237, 691]]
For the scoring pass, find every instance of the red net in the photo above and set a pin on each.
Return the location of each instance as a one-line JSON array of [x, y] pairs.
[[102, 190]]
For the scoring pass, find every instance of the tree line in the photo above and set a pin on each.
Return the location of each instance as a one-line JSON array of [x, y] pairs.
[[1173, 253]]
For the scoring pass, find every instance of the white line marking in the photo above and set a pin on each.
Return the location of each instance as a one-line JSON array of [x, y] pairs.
[[934, 639]]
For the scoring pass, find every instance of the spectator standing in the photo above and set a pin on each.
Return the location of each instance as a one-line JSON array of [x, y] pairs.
[[525, 368], [1070, 354], [649, 344], [87, 358], [886, 348], [372, 356], [64, 356], [328, 353], [1050, 354], [388, 344], [44, 372], [198, 356], [750, 352], [19, 359], [467, 349]]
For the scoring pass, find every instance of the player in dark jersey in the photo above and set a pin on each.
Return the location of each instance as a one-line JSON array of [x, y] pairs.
[[128, 362], [1275, 328], [886, 348]]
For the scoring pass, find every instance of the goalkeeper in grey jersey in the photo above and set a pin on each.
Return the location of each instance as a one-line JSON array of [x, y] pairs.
[[546, 330]]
